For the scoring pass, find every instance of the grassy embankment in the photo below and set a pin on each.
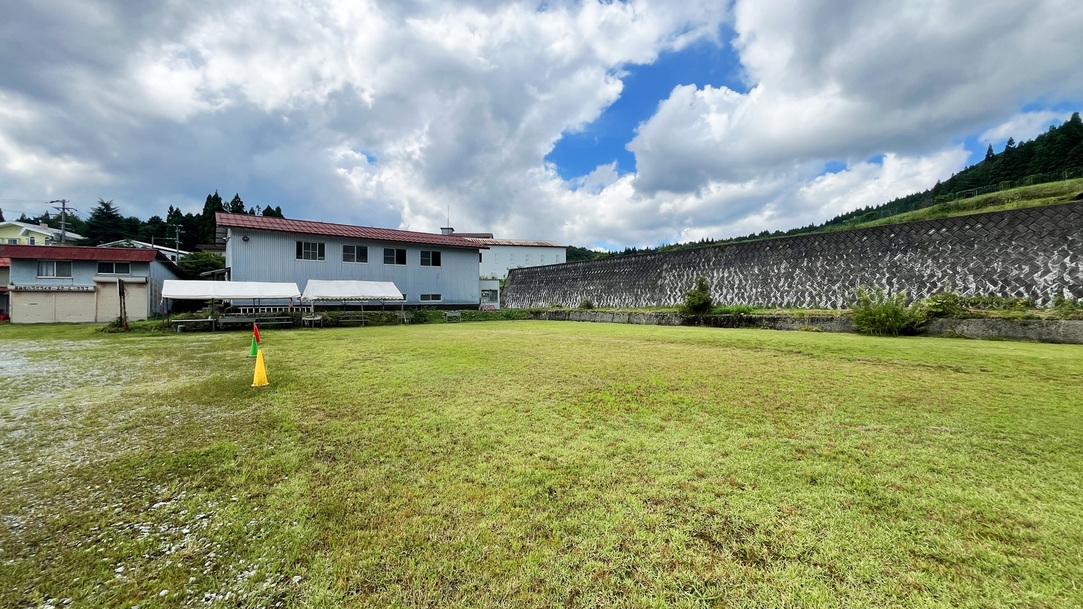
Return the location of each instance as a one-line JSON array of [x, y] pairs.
[[538, 464], [1015, 198]]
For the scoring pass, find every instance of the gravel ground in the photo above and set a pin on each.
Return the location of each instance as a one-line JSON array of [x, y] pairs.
[[66, 417]]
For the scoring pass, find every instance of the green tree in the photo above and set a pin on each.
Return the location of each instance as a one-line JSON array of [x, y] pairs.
[[272, 212], [236, 205], [206, 224], [576, 254], [104, 224], [2, 216], [192, 265], [154, 230]]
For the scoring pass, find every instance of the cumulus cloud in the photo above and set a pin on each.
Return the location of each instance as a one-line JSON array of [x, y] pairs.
[[1024, 126], [387, 113], [456, 102], [847, 80]]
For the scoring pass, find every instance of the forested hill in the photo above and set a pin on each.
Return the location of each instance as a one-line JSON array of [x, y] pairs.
[[1054, 155]]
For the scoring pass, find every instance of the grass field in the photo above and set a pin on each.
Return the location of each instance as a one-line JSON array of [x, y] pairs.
[[538, 464]]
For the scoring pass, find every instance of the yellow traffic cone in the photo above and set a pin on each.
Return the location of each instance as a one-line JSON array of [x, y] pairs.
[[260, 377]]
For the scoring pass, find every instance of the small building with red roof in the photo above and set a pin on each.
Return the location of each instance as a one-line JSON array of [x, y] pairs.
[[60, 283], [428, 268]]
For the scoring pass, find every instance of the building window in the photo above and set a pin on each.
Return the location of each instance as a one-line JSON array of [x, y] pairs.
[[394, 256], [489, 295], [430, 258], [13, 242], [431, 297], [114, 268], [54, 268], [355, 253], [33, 241], [310, 250]]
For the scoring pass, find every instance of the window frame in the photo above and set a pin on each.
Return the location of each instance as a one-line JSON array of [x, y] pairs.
[[312, 250], [114, 267], [356, 249], [395, 256], [430, 258], [54, 263], [431, 297]]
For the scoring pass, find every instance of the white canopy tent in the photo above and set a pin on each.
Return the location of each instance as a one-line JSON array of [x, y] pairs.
[[229, 290], [317, 290]]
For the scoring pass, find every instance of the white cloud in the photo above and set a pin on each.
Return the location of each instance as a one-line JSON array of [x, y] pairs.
[[1024, 126], [458, 104], [848, 80]]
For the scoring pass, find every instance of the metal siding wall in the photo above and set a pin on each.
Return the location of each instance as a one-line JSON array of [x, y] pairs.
[[271, 256], [497, 260], [158, 273]]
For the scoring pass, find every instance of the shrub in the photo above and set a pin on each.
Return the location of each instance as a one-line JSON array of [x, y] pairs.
[[945, 304], [1068, 308], [697, 301], [736, 309], [586, 304], [500, 315], [425, 316], [879, 314], [1000, 303]]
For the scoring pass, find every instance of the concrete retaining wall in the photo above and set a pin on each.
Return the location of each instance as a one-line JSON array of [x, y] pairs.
[[1027, 253], [1040, 330]]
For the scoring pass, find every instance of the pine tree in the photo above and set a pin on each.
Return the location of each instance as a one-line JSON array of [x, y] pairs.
[[104, 224], [236, 205], [206, 224]]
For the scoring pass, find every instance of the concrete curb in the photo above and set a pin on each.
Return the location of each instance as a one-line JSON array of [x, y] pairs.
[[1039, 330]]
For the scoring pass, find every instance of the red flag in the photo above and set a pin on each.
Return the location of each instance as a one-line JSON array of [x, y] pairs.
[[255, 331]]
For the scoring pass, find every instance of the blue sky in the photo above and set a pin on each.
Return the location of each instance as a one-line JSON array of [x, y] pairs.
[[603, 141], [589, 123]]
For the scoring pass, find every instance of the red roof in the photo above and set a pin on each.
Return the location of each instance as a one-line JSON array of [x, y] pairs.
[[75, 252], [307, 227]]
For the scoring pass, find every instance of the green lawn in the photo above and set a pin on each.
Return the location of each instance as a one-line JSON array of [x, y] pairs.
[[538, 464]]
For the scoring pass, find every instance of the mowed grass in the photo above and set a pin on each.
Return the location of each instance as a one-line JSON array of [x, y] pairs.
[[538, 464], [1051, 193]]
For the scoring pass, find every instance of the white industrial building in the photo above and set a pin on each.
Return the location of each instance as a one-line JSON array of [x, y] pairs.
[[506, 254]]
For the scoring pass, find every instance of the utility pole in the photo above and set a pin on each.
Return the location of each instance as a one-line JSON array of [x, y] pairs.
[[63, 209], [176, 241]]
